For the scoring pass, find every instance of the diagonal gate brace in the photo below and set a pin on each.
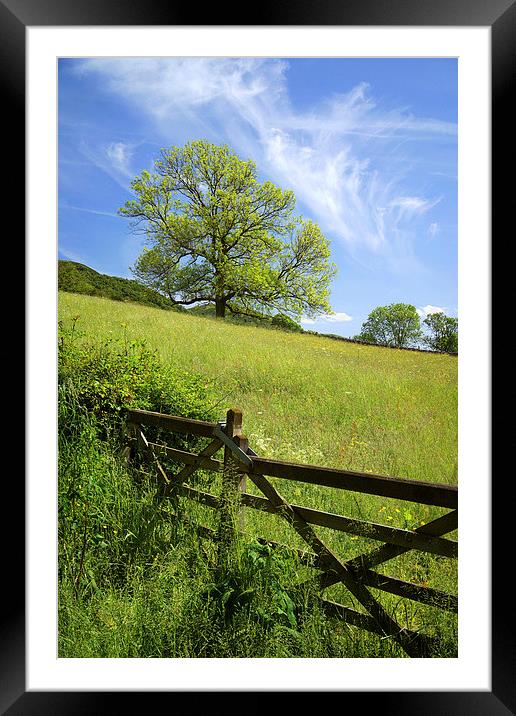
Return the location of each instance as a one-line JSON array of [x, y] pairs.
[[238, 453], [414, 644]]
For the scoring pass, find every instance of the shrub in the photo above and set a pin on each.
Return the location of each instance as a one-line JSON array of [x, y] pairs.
[[108, 522], [280, 320], [111, 375]]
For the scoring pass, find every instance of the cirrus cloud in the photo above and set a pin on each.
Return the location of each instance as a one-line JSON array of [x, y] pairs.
[[338, 317], [343, 157], [429, 309]]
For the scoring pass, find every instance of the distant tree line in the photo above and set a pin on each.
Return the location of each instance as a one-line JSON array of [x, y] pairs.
[[399, 325]]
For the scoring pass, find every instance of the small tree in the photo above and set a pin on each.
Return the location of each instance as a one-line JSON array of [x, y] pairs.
[[396, 325], [443, 333], [216, 234]]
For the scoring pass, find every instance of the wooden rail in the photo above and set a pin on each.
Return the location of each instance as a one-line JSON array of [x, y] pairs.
[[241, 463], [426, 493]]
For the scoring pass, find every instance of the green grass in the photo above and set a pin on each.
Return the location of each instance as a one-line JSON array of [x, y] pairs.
[[306, 399]]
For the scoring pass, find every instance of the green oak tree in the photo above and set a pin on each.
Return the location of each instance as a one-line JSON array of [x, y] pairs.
[[217, 234], [397, 325], [443, 332]]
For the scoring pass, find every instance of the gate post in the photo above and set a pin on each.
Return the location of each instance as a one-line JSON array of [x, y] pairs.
[[233, 482], [129, 440]]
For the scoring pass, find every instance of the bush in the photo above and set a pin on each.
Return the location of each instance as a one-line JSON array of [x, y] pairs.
[[113, 375], [285, 323], [108, 520]]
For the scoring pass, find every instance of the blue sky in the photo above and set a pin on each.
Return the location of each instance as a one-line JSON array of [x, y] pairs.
[[369, 147]]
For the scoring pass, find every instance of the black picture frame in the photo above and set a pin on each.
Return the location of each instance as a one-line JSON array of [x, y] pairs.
[[500, 16]]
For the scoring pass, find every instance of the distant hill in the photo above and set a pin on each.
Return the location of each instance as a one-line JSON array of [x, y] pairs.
[[78, 278]]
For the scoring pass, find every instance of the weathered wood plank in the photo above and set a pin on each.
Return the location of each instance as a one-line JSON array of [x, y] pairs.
[[149, 452], [410, 490], [203, 498], [381, 533], [412, 645], [441, 526], [351, 616], [370, 530], [172, 423], [233, 480], [188, 470], [420, 645], [187, 458], [408, 590], [415, 592], [425, 493], [238, 454]]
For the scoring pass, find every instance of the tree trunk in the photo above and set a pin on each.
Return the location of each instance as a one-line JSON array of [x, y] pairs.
[[220, 307]]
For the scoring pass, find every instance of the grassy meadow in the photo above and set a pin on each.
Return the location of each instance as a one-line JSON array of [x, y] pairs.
[[304, 399]]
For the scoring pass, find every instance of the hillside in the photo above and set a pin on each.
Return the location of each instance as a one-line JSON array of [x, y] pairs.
[[305, 397], [74, 277]]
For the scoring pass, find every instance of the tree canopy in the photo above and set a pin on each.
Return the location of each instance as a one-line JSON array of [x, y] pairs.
[[216, 234], [397, 325], [443, 333]]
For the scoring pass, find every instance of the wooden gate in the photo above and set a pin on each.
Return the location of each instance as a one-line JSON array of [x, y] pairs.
[[240, 463]]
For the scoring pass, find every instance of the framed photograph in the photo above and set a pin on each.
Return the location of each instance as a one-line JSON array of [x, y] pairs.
[[53, 53]]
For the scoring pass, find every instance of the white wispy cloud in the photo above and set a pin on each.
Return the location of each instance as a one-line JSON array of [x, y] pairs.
[[89, 211], [429, 309], [338, 317], [433, 229], [112, 158], [341, 158], [409, 205], [119, 154]]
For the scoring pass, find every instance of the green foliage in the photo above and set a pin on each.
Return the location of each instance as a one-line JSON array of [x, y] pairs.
[[285, 323], [77, 278], [130, 587], [272, 567], [400, 405], [106, 521], [110, 375], [257, 580], [443, 333], [397, 325], [216, 234]]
